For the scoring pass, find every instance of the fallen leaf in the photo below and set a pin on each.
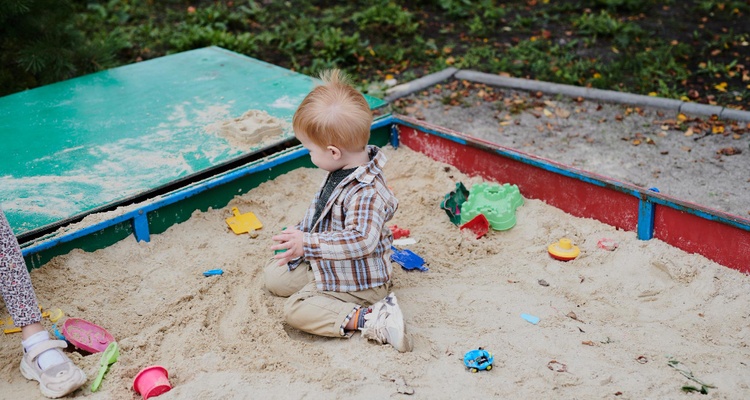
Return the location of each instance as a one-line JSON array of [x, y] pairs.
[[547, 113], [636, 142], [588, 343], [717, 129], [689, 132], [562, 113], [572, 315], [729, 151]]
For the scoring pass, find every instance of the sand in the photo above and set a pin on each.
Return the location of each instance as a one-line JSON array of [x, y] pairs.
[[250, 131], [612, 319]]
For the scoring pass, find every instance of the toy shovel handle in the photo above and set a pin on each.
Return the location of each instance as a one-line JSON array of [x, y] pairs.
[[236, 212], [98, 381]]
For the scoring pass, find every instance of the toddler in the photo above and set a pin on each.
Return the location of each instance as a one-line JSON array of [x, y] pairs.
[[335, 266]]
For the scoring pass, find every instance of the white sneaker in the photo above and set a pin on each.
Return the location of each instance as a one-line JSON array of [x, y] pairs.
[[56, 381], [385, 324]]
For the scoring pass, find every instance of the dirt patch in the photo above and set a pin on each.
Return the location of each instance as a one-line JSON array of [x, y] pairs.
[[700, 160]]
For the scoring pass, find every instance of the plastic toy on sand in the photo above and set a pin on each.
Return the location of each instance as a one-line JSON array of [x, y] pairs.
[[478, 360], [399, 233], [564, 250], [453, 201], [497, 203], [86, 335], [55, 314], [57, 332], [479, 225], [408, 260], [607, 244], [242, 223], [152, 381], [109, 357]]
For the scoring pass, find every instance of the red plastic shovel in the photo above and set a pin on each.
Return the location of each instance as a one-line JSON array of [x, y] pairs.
[[479, 225]]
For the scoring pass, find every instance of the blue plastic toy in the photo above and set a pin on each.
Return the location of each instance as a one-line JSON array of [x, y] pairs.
[[408, 259], [212, 272], [478, 360], [57, 333], [530, 318]]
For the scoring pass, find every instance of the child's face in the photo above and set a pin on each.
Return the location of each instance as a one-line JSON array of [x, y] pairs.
[[322, 157]]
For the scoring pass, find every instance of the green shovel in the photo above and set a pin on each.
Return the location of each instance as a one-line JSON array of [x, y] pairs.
[[109, 357]]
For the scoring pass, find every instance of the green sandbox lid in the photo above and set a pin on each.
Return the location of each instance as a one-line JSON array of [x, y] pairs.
[[100, 139]]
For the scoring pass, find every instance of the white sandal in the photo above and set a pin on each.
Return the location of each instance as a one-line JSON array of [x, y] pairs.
[[55, 381]]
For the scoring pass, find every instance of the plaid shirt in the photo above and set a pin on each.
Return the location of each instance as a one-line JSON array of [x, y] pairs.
[[349, 246]]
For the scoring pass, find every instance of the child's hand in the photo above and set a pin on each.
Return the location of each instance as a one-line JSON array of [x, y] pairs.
[[290, 240]]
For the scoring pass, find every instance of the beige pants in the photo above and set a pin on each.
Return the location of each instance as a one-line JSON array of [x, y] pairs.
[[308, 309]]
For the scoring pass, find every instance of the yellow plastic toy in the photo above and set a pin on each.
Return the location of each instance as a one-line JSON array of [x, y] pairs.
[[242, 223], [564, 250], [55, 314]]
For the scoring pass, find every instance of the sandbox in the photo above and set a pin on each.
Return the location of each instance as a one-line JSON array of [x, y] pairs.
[[613, 318]]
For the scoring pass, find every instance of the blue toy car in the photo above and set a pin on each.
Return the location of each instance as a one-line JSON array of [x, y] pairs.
[[479, 359]]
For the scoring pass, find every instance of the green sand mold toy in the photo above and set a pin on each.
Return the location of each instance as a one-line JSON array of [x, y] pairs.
[[497, 202]]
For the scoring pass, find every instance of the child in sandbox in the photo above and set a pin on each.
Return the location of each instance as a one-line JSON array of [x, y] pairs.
[[43, 359], [336, 261]]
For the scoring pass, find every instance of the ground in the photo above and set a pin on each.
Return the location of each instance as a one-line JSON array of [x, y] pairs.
[[695, 159]]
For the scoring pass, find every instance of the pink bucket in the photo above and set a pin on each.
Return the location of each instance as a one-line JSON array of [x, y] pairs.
[[152, 381]]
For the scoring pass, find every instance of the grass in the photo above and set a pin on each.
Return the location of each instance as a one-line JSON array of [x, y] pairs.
[[690, 50]]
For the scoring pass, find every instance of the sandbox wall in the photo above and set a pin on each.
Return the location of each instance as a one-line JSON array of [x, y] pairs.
[[718, 236]]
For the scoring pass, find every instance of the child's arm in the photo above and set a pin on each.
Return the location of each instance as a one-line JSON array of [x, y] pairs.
[[290, 239], [365, 217]]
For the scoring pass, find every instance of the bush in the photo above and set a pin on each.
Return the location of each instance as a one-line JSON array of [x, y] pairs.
[[40, 44]]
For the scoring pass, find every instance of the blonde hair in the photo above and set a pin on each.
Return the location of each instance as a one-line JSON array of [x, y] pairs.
[[334, 114]]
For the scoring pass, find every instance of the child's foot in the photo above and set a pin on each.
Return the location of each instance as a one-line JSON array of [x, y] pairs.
[[57, 380], [385, 324]]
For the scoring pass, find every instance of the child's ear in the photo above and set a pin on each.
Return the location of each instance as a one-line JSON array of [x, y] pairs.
[[335, 152]]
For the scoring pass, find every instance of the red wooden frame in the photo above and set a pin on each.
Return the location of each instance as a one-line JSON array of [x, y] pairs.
[[721, 237]]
